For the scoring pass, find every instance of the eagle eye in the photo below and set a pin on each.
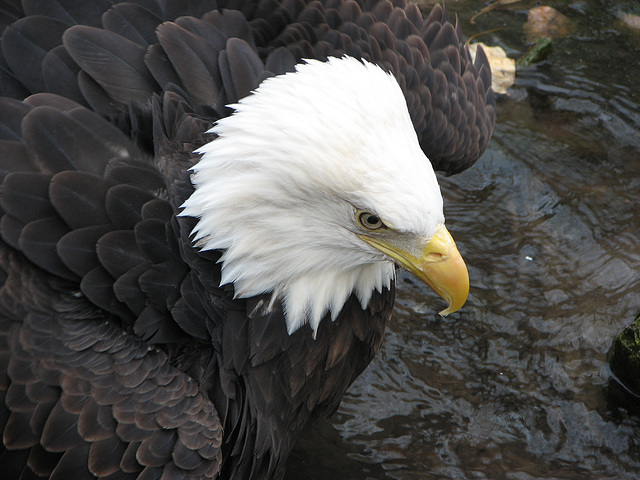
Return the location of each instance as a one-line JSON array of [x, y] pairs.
[[369, 220]]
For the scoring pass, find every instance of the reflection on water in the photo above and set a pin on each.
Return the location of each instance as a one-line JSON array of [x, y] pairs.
[[516, 385]]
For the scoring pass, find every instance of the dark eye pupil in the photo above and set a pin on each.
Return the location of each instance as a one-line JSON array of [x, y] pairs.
[[370, 220]]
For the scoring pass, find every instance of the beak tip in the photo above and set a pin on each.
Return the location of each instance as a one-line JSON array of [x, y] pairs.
[[450, 309]]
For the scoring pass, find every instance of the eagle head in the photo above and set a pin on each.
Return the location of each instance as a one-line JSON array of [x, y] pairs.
[[316, 187]]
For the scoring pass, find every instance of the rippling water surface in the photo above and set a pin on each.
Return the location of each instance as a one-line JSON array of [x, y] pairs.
[[517, 384]]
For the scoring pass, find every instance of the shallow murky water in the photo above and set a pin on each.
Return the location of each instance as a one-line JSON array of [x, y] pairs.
[[517, 384]]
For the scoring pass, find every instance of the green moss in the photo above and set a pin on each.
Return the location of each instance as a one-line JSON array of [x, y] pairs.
[[625, 356], [537, 53]]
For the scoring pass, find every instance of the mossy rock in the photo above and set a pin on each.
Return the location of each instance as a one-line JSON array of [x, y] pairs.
[[625, 357], [538, 52]]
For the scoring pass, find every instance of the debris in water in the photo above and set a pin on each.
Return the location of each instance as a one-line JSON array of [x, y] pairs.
[[503, 68], [629, 19], [547, 22], [490, 7]]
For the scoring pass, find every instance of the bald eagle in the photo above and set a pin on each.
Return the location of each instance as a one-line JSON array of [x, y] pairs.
[[203, 206]]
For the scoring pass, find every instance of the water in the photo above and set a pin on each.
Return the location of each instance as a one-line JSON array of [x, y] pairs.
[[517, 385]]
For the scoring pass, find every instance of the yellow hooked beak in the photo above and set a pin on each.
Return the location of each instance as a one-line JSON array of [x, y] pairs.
[[439, 265]]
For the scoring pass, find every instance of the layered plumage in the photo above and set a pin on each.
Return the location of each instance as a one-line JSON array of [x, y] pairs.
[[127, 351]]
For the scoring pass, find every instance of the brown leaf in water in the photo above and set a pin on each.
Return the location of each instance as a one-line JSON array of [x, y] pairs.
[[546, 22]]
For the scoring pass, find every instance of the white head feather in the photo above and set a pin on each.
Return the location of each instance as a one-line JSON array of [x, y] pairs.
[[279, 188]]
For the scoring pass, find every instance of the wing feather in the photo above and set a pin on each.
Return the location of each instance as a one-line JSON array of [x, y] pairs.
[[13, 112], [127, 289], [59, 73], [88, 428], [133, 22], [25, 196], [14, 157], [105, 456], [241, 69], [41, 462], [118, 252], [73, 464], [60, 433], [97, 285], [160, 66], [38, 241], [124, 203], [69, 12], [114, 62], [194, 60], [78, 198], [31, 38], [96, 96]]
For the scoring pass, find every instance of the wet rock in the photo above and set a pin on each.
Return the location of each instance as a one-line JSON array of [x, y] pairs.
[[625, 357]]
